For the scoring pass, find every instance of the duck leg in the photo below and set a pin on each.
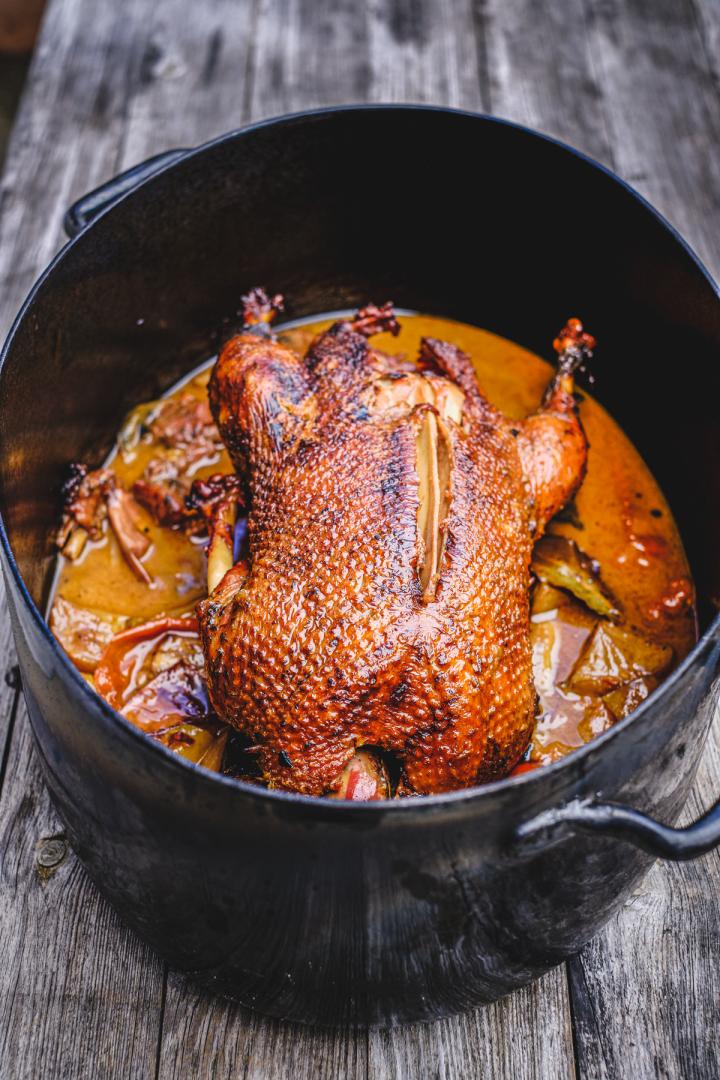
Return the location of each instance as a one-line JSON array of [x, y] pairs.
[[551, 443]]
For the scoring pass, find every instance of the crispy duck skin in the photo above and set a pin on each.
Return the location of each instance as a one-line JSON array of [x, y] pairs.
[[392, 516]]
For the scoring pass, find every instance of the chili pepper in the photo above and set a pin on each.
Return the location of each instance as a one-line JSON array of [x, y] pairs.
[[525, 767]]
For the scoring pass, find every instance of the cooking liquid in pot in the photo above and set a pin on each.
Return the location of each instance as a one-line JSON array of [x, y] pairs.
[[585, 683]]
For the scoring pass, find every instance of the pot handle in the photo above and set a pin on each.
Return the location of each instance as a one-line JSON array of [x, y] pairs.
[[623, 823], [87, 208]]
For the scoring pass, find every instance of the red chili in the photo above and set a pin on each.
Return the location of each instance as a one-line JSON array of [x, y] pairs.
[[525, 766]]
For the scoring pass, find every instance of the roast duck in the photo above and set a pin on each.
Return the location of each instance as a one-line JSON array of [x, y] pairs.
[[381, 608]]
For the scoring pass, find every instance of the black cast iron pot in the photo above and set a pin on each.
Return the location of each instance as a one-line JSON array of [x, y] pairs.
[[297, 907]]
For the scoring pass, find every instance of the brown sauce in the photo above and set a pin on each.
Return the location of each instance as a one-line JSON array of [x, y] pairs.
[[619, 518]]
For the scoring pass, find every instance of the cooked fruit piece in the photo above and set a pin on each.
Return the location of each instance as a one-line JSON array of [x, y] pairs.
[[557, 635], [598, 718], [153, 674], [559, 561], [385, 600], [626, 698], [83, 633], [613, 656], [363, 779]]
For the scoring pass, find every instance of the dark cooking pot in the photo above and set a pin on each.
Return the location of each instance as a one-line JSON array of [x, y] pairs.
[[301, 908]]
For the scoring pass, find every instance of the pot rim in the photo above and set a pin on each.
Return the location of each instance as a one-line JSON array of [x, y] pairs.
[[394, 806]]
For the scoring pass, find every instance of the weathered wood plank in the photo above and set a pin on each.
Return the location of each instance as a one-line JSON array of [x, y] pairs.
[[707, 14], [663, 110], [426, 51], [541, 71], [80, 996], [308, 54], [192, 75], [67, 134], [645, 992], [204, 1036], [525, 1035]]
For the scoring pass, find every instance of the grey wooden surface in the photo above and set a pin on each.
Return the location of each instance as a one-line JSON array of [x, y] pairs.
[[636, 83]]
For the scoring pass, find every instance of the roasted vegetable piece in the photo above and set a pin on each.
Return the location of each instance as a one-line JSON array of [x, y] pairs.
[[546, 598], [198, 744], [173, 696], [598, 718], [626, 699], [183, 430], [188, 740], [613, 656], [213, 757], [162, 490], [558, 561], [153, 675], [184, 421], [83, 633], [125, 518], [130, 662], [134, 427], [557, 635], [364, 779]]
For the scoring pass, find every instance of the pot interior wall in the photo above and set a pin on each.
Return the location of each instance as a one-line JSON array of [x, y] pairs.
[[440, 212]]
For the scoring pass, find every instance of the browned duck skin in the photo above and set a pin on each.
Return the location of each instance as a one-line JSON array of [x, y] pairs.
[[552, 443], [385, 600]]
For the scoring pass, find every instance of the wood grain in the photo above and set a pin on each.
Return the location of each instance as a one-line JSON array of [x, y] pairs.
[[661, 102], [638, 89], [636, 84], [80, 996], [541, 71], [646, 992], [206, 1037], [526, 1035]]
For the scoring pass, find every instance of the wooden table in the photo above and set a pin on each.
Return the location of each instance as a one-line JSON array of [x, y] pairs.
[[634, 83]]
